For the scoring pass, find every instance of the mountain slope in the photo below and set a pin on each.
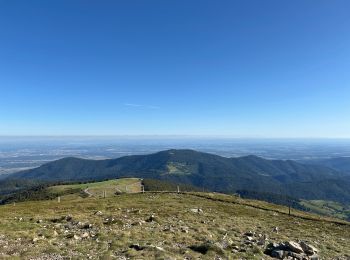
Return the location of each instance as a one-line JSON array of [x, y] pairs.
[[210, 171], [161, 226], [339, 163]]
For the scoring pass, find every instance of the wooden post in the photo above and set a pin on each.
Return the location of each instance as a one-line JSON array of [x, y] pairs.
[[59, 199], [104, 194], [289, 209], [178, 189], [143, 188], [126, 188]]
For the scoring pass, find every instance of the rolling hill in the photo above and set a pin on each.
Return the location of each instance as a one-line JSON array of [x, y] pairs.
[[204, 170]]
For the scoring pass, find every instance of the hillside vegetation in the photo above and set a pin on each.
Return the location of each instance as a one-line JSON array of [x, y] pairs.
[[154, 225], [68, 191], [205, 171], [328, 208], [337, 163]]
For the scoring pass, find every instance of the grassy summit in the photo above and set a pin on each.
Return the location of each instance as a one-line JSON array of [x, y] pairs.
[[155, 225], [96, 189]]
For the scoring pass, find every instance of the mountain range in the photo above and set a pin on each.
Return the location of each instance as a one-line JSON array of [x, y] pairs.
[[338, 163], [209, 171]]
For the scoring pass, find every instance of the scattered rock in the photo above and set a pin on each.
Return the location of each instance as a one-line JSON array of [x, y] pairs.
[[85, 235], [249, 234], [98, 213], [84, 225], [261, 241], [151, 218], [68, 218], [137, 247], [184, 229], [294, 247], [70, 235], [196, 210], [157, 248], [278, 254], [295, 255], [308, 249], [291, 250], [109, 221], [236, 248], [249, 238]]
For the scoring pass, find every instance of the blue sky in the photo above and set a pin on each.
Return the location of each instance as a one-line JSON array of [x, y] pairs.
[[233, 68]]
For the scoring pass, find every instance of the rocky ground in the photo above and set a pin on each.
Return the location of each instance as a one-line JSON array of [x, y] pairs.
[[164, 226]]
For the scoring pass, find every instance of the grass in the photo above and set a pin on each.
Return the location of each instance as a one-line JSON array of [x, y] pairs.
[[96, 189], [175, 232], [328, 208], [177, 169]]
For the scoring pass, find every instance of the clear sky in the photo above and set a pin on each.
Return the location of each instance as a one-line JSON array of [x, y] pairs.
[[240, 68]]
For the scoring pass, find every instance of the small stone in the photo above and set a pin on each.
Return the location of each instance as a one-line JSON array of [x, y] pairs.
[[137, 247], [295, 256], [278, 254], [308, 249], [235, 248], [85, 235], [249, 233], [294, 247], [85, 225], [196, 210], [157, 247], [261, 242], [184, 231], [152, 218], [272, 245]]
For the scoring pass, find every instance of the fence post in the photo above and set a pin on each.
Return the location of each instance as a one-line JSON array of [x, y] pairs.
[[178, 189], [59, 199]]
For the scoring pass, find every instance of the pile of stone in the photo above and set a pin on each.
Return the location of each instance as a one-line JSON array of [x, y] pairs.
[[71, 228], [292, 250]]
